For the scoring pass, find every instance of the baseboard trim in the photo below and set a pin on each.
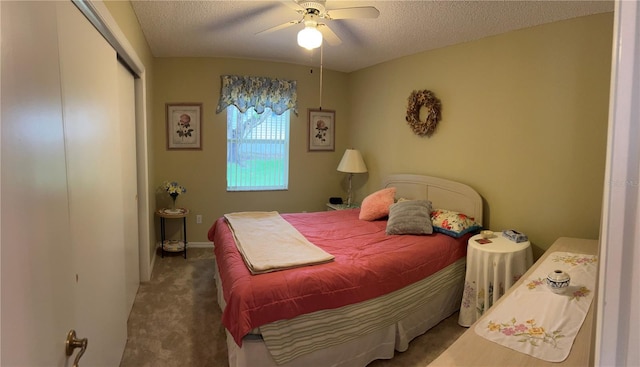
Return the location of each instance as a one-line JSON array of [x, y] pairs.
[[200, 244], [193, 244]]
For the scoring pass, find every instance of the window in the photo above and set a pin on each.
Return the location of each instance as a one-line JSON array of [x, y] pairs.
[[257, 150], [257, 130]]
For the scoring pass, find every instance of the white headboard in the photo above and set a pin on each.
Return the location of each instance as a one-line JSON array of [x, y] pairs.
[[443, 194]]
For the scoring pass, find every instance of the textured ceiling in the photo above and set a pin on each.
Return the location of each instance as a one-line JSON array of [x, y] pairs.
[[228, 28]]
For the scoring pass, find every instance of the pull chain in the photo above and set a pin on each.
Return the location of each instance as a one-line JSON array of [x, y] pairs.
[[321, 56]]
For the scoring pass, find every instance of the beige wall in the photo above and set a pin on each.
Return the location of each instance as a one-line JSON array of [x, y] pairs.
[[313, 177], [524, 122]]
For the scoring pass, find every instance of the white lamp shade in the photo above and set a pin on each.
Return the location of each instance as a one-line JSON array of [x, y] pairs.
[[352, 162], [310, 38]]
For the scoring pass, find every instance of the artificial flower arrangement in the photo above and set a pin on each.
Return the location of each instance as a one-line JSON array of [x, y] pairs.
[[173, 189]]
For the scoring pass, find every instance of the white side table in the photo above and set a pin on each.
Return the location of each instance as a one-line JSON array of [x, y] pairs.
[[173, 245], [491, 269]]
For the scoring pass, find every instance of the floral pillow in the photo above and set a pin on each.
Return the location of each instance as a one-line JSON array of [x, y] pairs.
[[376, 205], [453, 223], [410, 217]]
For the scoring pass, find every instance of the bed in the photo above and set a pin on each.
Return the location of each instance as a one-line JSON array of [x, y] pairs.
[[377, 293]]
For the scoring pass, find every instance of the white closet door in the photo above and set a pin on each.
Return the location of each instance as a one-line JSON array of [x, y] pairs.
[[63, 192], [127, 119], [37, 267], [89, 70]]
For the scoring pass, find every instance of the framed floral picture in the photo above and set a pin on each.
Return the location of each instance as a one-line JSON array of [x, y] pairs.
[[322, 130], [184, 126]]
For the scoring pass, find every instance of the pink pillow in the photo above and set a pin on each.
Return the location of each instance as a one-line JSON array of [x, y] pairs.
[[376, 205]]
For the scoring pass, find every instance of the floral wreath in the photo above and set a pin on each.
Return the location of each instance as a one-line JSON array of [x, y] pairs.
[[428, 100]]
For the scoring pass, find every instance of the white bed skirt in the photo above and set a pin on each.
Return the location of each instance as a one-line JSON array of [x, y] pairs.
[[379, 344]]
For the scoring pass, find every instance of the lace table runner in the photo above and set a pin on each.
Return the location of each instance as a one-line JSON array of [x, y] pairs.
[[538, 322]]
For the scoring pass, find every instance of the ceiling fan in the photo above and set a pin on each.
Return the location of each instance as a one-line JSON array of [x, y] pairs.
[[314, 14]]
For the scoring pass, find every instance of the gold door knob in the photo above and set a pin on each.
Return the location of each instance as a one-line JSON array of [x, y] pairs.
[[73, 343]]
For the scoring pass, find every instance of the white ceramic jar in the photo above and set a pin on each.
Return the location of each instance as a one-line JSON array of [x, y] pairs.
[[558, 281], [486, 234]]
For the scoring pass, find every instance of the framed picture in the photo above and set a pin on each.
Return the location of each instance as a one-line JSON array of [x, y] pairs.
[[322, 130], [184, 125]]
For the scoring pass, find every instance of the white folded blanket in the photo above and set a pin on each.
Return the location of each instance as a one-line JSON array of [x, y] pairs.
[[269, 243]]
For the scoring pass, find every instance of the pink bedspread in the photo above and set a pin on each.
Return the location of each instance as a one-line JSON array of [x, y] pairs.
[[368, 263]]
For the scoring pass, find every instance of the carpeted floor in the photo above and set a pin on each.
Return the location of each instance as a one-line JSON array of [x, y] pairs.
[[175, 321]]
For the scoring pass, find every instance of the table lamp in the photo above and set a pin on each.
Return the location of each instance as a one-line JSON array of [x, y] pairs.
[[351, 163]]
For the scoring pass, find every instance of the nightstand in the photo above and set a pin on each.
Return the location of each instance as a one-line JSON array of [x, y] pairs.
[[493, 266], [341, 206], [173, 245]]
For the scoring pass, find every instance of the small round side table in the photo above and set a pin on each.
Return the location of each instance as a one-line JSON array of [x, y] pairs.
[[173, 245], [492, 267]]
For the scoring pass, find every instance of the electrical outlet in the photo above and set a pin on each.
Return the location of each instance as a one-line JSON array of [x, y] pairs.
[[199, 219]]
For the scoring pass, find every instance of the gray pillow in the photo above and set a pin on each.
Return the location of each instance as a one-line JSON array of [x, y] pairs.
[[410, 217]]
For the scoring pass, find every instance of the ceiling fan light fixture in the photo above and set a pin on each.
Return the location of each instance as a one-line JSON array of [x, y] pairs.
[[310, 38]]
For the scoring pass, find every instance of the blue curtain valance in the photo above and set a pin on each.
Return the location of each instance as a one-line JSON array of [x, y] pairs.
[[259, 92]]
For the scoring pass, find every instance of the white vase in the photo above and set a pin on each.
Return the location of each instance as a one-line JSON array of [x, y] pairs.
[[173, 198], [558, 281]]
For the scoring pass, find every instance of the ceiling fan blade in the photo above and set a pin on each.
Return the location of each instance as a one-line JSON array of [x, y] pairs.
[[353, 13], [281, 26], [329, 35], [293, 4]]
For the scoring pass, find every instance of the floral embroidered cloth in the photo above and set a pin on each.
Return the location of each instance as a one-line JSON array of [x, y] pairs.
[[538, 322], [493, 266]]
